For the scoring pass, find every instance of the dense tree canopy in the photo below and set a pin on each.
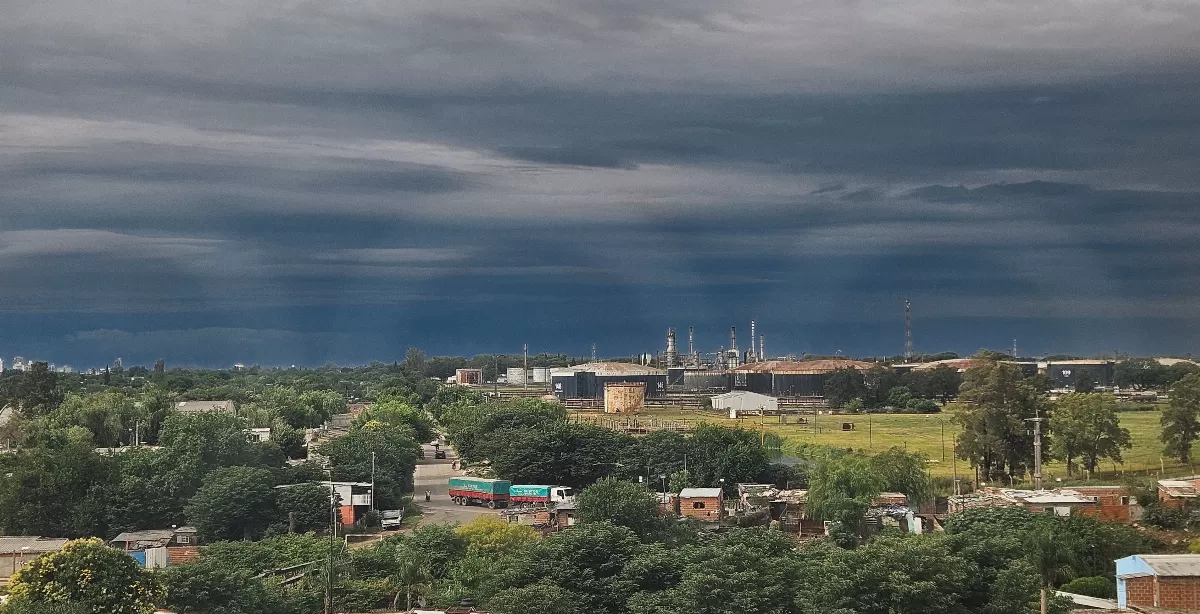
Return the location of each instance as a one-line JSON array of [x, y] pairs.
[[995, 436], [1181, 418], [1085, 427]]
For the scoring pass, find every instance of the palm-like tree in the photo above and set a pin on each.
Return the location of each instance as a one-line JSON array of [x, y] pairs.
[[1053, 554], [411, 578]]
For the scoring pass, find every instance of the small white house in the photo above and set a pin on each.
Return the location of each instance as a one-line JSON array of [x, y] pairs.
[[258, 434], [744, 402]]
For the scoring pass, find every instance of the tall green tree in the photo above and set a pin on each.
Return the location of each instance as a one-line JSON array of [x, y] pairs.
[[234, 503], [622, 503], [62, 491], [1085, 426], [841, 385], [37, 391], [1181, 419], [995, 435], [395, 454]]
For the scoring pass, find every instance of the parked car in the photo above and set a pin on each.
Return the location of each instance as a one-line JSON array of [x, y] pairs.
[[391, 519], [439, 454]]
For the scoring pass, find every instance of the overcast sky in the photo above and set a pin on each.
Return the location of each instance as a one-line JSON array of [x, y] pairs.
[[298, 182]]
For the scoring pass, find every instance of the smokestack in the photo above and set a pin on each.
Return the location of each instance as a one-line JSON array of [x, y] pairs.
[[691, 342], [762, 348], [753, 336], [672, 354], [733, 339]]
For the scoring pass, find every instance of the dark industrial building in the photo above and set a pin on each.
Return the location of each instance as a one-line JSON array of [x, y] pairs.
[[785, 378], [697, 380], [1065, 373], [587, 381]]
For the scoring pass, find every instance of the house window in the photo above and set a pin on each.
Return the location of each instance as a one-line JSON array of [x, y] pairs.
[[183, 539], [697, 505], [1124, 500]]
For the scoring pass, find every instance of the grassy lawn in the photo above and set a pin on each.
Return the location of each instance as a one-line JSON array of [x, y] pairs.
[[926, 433]]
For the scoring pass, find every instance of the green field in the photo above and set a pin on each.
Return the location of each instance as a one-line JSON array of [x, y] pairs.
[[933, 435]]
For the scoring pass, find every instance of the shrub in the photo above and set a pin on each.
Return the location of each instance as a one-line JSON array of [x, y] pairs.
[[1092, 586]]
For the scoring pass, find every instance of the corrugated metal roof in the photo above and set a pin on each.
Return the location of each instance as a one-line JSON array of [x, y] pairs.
[[151, 535], [961, 364], [1178, 488], [700, 493], [27, 544], [609, 369], [199, 406], [739, 393], [802, 367], [1173, 564]]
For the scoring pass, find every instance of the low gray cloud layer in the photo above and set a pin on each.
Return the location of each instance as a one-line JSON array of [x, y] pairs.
[[534, 167]]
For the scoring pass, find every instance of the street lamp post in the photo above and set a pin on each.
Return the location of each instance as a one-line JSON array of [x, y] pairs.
[[942, 424]]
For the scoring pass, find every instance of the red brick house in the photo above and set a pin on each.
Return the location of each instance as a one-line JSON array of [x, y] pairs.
[[1179, 492], [1167, 581], [706, 504]]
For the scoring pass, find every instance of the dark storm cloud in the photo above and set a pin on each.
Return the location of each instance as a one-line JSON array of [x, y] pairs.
[[283, 184]]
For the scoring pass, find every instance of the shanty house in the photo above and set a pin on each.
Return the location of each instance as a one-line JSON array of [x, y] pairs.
[[1179, 492], [1167, 581], [1060, 502], [16, 551], [160, 547], [702, 504]]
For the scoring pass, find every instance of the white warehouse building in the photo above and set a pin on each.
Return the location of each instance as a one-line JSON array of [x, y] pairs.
[[745, 402]]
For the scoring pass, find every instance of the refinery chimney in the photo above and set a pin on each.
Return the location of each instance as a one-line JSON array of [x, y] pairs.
[[672, 354], [733, 339], [762, 348], [750, 353]]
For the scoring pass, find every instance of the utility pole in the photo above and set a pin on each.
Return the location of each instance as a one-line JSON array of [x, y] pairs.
[[1037, 451], [372, 479], [332, 539]]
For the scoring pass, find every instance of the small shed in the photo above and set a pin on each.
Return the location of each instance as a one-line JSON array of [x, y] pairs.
[[702, 503], [16, 551], [1168, 581], [745, 402]]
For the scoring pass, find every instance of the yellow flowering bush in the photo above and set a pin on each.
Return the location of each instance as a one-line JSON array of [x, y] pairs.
[[88, 573]]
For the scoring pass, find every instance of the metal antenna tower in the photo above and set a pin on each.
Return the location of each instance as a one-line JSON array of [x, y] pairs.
[[908, 344]]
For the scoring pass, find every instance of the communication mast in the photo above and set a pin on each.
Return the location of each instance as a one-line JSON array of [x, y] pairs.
[[908, 344]]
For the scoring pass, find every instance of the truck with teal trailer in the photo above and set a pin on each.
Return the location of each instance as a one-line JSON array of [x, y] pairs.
[[479, 491], [536, 493]]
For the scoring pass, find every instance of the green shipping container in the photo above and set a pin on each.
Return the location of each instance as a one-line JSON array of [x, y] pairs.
[[480, 485], [525, 491]]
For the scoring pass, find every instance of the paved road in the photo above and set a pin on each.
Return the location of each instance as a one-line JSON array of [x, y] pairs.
[[432, 475]]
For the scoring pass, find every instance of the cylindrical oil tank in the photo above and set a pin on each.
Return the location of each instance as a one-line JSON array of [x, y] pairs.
[[624, 397]]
